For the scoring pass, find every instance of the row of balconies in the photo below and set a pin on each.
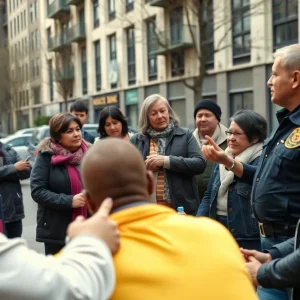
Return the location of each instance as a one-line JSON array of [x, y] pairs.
[[74, 34], [174, 39], [57, 7]]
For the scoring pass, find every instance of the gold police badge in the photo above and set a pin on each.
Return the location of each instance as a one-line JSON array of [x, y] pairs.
[[293, 140]]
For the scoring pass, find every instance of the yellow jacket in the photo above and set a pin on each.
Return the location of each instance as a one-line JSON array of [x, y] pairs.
[[166, 256]]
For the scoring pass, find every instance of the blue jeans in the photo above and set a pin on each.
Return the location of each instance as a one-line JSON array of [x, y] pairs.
[[271, 294]]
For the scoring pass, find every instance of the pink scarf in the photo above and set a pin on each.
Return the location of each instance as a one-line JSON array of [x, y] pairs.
[[71, 161]]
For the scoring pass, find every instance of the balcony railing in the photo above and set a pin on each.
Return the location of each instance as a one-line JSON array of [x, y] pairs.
[[161, 3], [75, 2], [77, 33], [64, 73], [59, 42], [57, 7], [173, 39]]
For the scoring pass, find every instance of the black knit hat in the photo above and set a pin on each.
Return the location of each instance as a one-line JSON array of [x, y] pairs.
[[209, 105]]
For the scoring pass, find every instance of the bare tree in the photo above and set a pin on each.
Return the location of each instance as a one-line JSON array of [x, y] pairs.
[[201, 19], [12, 78], [64, 74], [62, 64]]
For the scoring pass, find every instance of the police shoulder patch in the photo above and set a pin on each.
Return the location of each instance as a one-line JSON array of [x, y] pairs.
[[293, 140]]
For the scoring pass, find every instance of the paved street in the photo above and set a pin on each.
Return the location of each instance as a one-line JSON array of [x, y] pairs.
[[29, 223]]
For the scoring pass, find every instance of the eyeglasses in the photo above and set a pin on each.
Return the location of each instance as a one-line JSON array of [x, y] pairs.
[[235, 134]]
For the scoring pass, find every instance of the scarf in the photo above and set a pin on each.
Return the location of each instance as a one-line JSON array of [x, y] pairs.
[[219, 135], [160, 138], [72, 162], [226, 177]]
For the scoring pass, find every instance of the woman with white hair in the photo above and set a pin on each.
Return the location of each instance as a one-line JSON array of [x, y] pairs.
[[171, 153]]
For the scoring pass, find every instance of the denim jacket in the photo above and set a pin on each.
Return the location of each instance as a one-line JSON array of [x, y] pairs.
[[241, 222]]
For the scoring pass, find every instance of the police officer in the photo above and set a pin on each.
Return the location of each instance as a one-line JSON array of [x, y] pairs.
[[276, 179]]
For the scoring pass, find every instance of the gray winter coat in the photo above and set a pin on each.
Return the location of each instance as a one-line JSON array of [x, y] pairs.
[[10, 187], [186, 161]]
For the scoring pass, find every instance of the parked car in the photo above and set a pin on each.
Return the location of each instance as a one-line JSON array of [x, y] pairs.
[[19, 143], [3, 135], [40, 133], [25, 131], [91, 129]]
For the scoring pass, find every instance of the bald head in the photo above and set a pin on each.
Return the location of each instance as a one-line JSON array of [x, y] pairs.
[[114, 168]]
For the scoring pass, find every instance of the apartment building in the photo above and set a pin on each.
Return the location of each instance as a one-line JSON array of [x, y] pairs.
[[3, 49], [23, 41], [117, 52]]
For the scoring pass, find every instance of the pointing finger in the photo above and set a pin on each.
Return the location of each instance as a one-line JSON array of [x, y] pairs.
[[105, 207], [212, 142]]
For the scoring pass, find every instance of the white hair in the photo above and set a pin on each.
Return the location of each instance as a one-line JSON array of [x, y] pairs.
[[143, 118], [290, 56]]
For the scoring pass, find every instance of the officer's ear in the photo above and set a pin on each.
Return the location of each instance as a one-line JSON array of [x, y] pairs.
[[296, 79]]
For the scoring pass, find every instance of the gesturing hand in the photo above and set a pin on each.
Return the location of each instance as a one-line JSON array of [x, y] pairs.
[[214, 153], [22, 165], [99, 225], [252, 267], [78, 200], [154, 162], [260, 256]]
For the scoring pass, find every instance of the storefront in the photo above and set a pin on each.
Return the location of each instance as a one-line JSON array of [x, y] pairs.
[[101, 101], [132, 107]]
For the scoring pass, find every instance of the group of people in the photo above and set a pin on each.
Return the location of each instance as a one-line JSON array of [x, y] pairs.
[[247, 183]]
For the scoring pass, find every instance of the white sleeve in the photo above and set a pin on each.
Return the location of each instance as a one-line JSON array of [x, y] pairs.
[[83, 271]]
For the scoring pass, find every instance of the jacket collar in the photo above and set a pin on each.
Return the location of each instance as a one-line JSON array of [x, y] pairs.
[[294, 115]]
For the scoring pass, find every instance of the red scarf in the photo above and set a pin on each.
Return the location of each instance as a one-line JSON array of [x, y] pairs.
[[71, 160]]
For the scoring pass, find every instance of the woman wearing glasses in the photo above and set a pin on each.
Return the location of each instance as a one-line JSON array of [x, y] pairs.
[[227, 198]]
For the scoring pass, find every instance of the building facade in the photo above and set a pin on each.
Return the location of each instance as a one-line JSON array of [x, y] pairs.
[[117, 52]]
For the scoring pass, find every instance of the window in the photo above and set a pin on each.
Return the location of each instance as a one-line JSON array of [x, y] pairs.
[[209, 39], [111, 10], [22, 22], [96, 13], [31, 14], [131, 56], [84, 70], [241, 31], [285, 22], [24, 18], [113, 53], [241, 101], [18, 142], [177, 63], [151, 46], [176, 25], [50, 74], [98, 65], [49, 36], [36, 95], [129, 5]]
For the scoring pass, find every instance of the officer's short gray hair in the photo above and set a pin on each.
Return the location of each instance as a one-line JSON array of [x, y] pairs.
[[143, 118], [290, 56]]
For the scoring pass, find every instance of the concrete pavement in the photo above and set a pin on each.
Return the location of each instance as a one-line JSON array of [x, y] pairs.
[[29, 223]]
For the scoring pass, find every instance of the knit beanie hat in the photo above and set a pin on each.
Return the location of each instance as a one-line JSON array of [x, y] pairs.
[[209, 105]]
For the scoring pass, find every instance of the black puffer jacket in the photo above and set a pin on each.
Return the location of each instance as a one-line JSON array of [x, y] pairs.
[[51, 189], [10, 187]]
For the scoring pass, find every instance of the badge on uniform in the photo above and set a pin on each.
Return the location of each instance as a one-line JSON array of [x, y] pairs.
[[293, 140]]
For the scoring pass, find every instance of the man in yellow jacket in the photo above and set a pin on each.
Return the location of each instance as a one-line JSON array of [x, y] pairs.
[[163, 255]]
